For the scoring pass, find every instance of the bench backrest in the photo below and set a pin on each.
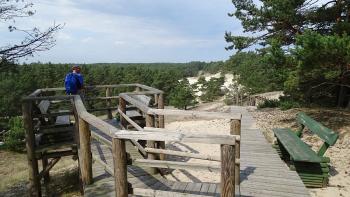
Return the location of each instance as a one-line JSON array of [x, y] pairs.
[[326, 134], [44, 106]]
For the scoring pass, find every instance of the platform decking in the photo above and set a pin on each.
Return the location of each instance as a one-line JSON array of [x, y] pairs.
[[263, 173]]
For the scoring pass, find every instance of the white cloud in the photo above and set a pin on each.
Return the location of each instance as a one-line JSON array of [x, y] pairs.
[[121, 37]]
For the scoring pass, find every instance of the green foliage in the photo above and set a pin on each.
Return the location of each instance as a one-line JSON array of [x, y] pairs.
[[211, 89], [228, 101], [283, 20], [269, 104], [322, 61], [14, 137], [283, 103], [17, 81], [256, 72], [304, 49], [182, 95]]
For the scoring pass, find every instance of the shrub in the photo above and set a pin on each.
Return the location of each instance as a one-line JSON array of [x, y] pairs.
[[269, 104], [14, 137], [228, 101], [288, 104]]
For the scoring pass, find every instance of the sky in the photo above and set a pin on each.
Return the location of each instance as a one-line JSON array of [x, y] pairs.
[[131, 30]]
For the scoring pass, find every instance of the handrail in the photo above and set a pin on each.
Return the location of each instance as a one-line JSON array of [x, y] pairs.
[[229, 143], [177, 137]]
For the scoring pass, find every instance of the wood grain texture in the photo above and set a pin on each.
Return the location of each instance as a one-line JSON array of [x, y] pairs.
[[120, 170], [227, 170], [84, 152]]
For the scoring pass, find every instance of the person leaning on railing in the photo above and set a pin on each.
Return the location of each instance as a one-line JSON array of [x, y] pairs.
[[74, 82]]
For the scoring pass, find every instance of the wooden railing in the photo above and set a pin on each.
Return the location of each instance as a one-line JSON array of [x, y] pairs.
[[230, 144]]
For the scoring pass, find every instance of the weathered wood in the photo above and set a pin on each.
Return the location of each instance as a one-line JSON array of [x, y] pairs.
[[193, 114], [183, 154], [235, 129], [140, 105], [53, 114], [122, 108], [109, 103], [120, 168], [98, 123], [156, 91], [160, 193], [177, 137], [175, 165], [85, 152], [134, 124], [103, 164], [227, 171], [48, 167], [101, 98], [34, 181], [101, 139], [151, 143], [160, 102]]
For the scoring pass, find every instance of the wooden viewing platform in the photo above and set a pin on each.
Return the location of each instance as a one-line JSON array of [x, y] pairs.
[[123, 158], [263, 173]]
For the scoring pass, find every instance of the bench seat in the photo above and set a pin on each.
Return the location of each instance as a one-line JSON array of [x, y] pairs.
[[297, 149]]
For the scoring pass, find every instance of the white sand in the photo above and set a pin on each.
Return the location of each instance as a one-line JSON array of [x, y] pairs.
[[197, 126]]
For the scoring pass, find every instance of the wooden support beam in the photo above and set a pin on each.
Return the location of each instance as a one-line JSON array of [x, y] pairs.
[[235, 129], [175, 165], [122, 108], [151, 143], [109, 103], [120, 168], [46, 175], [183, 154], [164, 135], [192, 114], [85, 152], [133, 123], [48, 167], [34, 181], [101, 139], [161, 124], [227, 171], [103, 164]]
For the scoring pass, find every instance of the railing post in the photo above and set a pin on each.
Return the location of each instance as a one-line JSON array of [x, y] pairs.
[[85, 156], [109, 103], [228, 170], [161, 124], [151, 144], [235, 129], [34, 182], [122, 107], [120, 167], [46, 176]]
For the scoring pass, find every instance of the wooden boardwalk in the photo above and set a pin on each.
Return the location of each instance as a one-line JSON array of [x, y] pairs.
[[263, 173]]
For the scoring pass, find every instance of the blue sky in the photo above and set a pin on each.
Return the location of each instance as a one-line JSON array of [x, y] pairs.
[[132, 30]]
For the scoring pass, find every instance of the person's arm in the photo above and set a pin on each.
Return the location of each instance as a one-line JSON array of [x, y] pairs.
[[81, 81]]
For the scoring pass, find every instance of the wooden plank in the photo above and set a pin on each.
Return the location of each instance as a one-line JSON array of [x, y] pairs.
[[183, 154], [62, 120], [177, 137], [193, 114], [134, 124], [44, 106], [176, 165], [298, 149]]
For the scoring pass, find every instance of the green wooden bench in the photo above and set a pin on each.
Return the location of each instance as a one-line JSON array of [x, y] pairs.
[[311, 166]]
